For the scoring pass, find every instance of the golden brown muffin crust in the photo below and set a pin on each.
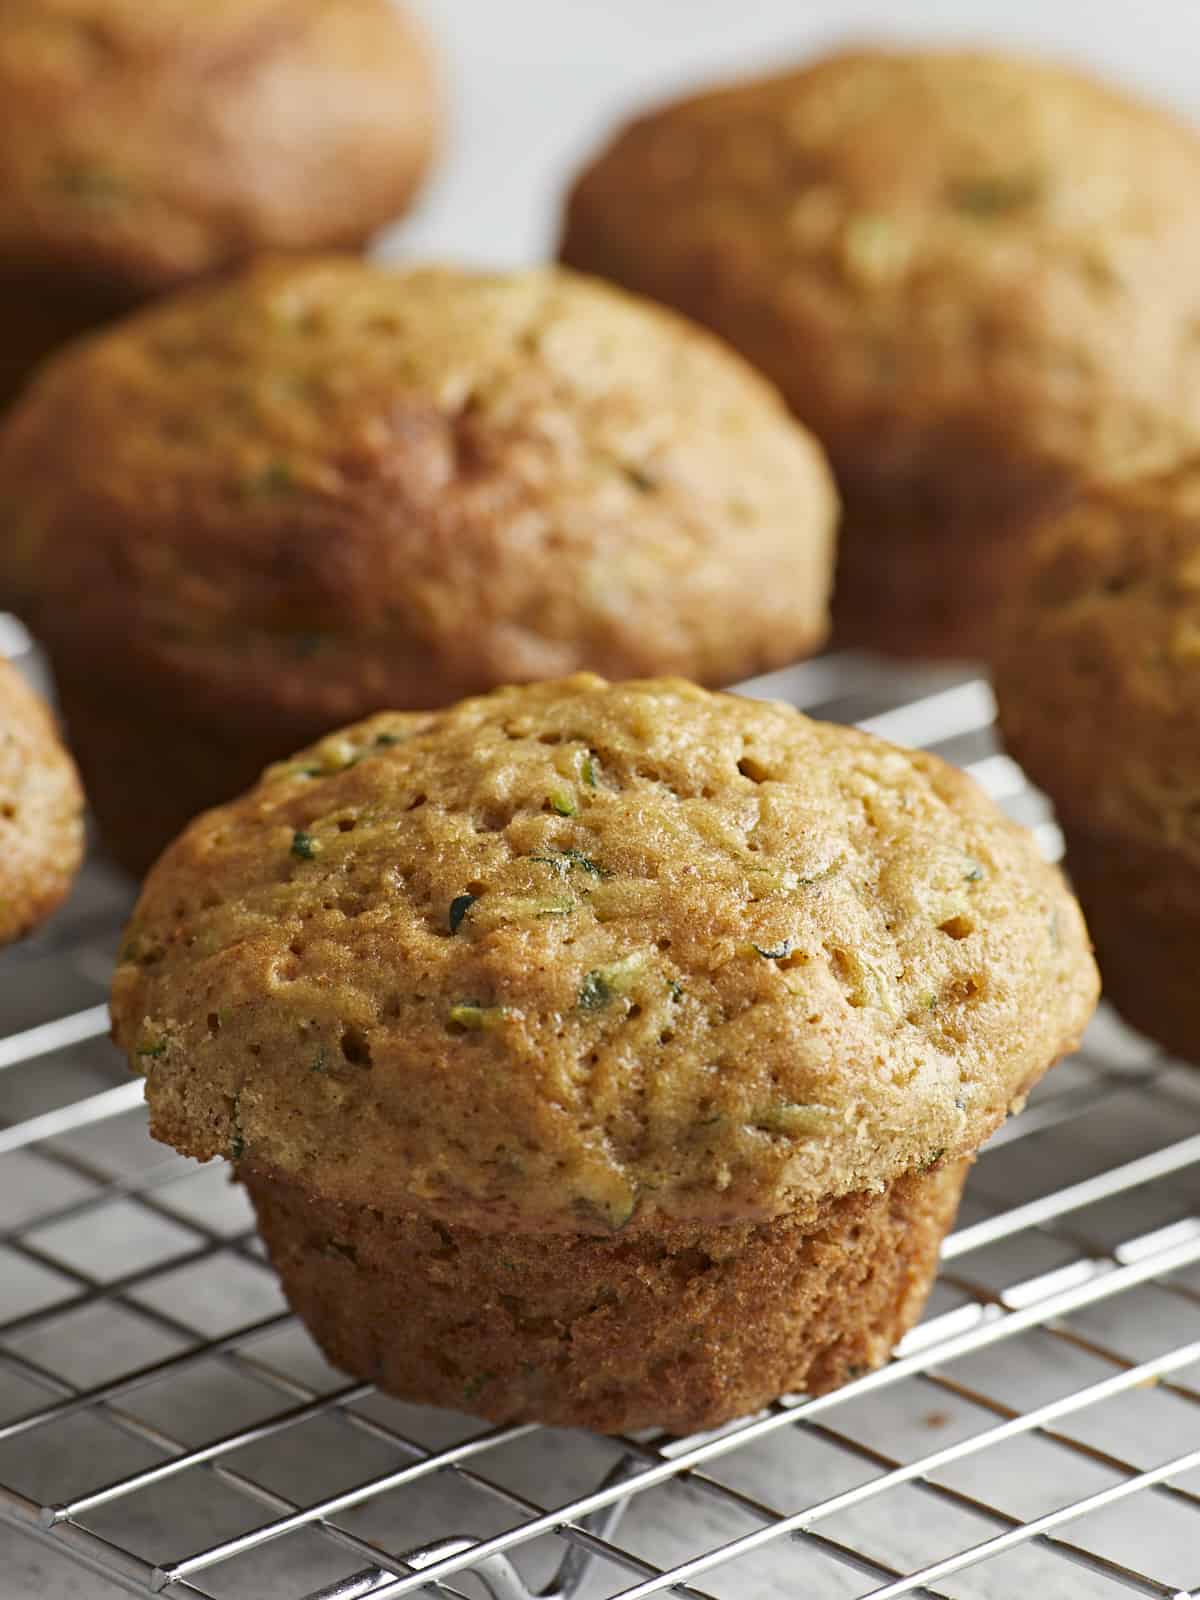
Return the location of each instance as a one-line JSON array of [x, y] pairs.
[[142, 144], [901, 238], [578, 956], [1098, 666], [41, 810], [975, 276], [325, 487]]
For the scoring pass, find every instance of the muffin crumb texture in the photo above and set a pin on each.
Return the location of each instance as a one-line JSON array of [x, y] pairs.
[[595, 959]]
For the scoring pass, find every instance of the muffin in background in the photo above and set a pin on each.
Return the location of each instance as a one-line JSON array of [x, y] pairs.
[[975, 276], [1097, 676], [145, 143], [269, 506], [41, 810], [608, 1055]]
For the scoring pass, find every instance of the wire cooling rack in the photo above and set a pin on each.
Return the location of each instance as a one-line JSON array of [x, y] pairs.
[[165, 1423]]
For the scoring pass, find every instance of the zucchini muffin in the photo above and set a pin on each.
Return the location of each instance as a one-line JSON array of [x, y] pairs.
[[41, 810], [1098, 680], [144, 143], [274, 505], [976, 277], [606, 1055]]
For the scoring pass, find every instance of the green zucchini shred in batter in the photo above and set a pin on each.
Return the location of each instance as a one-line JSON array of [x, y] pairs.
[[789, 1117], [995, 194], [275, 478], [775, 952], [603, 984], [563, 860], [95, 185], [476, 1018], [459, 907]]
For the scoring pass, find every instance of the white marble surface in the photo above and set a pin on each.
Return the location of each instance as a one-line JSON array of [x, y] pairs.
[[534, 84]]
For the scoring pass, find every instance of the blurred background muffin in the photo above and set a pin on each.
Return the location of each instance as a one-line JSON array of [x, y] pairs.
[[1098, 680], [144, 143], [41, 810], [977, 277], [274, 504], [605, 1054]]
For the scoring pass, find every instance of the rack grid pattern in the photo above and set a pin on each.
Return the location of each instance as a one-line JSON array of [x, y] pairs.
[[166, 1423]]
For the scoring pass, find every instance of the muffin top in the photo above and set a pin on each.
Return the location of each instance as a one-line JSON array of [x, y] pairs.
[[325, 487], [143, 142], [577, 956], [1098, 665], [41, 810], [927, 250]]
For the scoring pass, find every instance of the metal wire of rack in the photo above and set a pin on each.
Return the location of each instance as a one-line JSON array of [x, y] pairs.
[[166, 1423]]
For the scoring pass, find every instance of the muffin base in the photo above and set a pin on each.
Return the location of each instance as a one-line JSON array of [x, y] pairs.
[[1142, 905], [679, 1327]]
